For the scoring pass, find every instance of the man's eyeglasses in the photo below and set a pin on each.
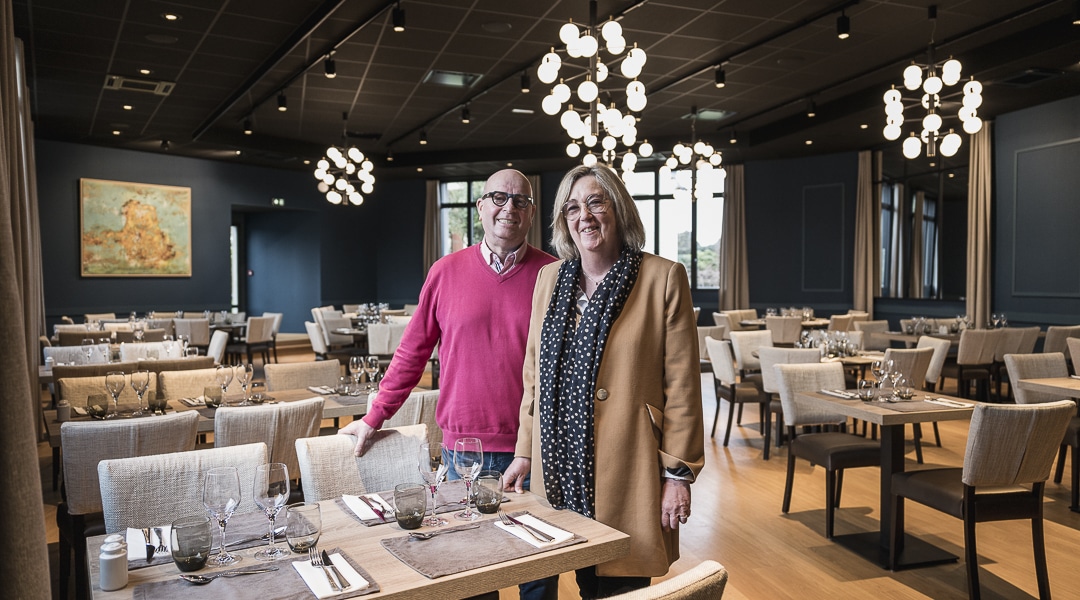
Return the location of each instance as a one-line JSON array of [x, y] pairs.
[[594, 204], [500, 198]]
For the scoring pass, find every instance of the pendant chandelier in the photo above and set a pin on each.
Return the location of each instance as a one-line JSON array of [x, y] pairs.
[[698, 157], [937, 100], [587, 119], [344, 173]]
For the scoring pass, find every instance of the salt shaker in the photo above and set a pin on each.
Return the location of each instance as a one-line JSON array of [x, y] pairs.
[[113, 566], [63, 411], [49, 363]]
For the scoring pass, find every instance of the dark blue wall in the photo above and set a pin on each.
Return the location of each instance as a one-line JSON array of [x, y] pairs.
[[1036, 275]]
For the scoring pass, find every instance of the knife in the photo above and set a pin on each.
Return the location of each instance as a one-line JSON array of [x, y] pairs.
[[149, 547], [543, 536], [375, 509], [342, 582]]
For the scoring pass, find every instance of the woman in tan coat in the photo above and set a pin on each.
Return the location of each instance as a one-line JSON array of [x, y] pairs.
[[611, 423]]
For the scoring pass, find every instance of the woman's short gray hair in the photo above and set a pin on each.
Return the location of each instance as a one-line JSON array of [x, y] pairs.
[[630, 229]]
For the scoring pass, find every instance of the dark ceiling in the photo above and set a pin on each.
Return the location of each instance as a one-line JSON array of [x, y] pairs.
[[229, 59]]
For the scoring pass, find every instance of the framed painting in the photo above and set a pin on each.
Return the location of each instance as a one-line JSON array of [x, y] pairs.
[[134, 229]]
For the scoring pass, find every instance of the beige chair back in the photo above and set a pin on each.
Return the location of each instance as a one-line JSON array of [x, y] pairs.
[[76, 389], [70, 328], [150, 350], [1035, 366], [198, 330], [1056, 336], [295, 376], [785, 330], [75, 338], [260, 330], [723, 362], [1014, 445], [174, 385], [76, 355], [770, 357], [840, 322], [418, 408], [331, 323], [716, 332], [706, 581], [174, 482], [314, 332], [277, 317], [93, 317], [808, 378], [745, 343], [937, 360], [149, 335], [219, 341], [85, 444], [329, 468], [869, 328], [1072, 347], [410, 309], [276, 425], [978, 346], [1016, 340], [912, 363]]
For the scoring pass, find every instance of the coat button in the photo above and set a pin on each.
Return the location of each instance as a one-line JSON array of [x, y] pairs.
[[601, 394]]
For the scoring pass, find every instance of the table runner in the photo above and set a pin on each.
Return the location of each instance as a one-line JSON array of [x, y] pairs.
[[913, 406], [241, 527], [458, 552], [447, 499], [283, 584]]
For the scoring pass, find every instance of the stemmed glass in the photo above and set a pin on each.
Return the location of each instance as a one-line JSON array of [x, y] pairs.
[[879, 370], [371, 367], [356, 368], [137, 331], [88, 348], [140, 382], [115, 382], [433, 469], [271, 492], [221, 496], [244, 373], [168, 345], [224, 377], [184, 340], [468, 460]]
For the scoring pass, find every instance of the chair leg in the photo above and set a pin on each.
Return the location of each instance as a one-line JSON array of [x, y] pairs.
[[65, 564], [1075, 479], [789, 481], [971, 556], [1038, 543], [831, 477], [768, 430], [740, 415], [839, 486], [1060, 469], [716, 416], [937, 434], [917, 435], [730, 414]]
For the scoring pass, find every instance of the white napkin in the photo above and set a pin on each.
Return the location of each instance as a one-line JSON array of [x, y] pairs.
[[559, 534], [200, 401], [950, 403], [137, 543], [387, 508], [839, 394], [357, 505], [321, 389], [315, 577]]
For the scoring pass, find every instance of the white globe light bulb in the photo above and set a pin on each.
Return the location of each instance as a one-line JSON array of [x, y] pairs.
[[972, 101], [590, 140], [551, 105], [333, 153], [637, 102], [601, 72], [699, 147], [367, 188], [892, 132], [973, 125], [932, 85], [716, 159], [350, 168], [356, 199], [671, 162], [608, 143], [561, 92], [333, 197], [678, 148], [912, 147], [589, 160], [637, 55], [629, 139], [589, 46], [630, 69], [573, 150], [587, 91], [894, 109], [568, 33], [340, 184], [320, 172], [616, 45], [569, 119], [323, 164], [932, 122], [973, 87], [322, 187], [548, 72], [355, 154], [645, 149], [892, 95], [610, 30], [950, 144]]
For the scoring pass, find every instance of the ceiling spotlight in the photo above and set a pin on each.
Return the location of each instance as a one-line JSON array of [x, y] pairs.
[[171, 16], [282, 102], [721, 77], [734, 138], [423, 137], [248, 127], [389, 154], [1076, 12], [399, 18], [145, 71], [526, 83], [465, 116], [811, 110], [128, 107], [843, 26], [331, 69], [165, 145]]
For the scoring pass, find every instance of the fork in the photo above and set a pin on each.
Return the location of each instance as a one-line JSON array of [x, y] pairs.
[[316, 561], [161, 540], [507, 522]]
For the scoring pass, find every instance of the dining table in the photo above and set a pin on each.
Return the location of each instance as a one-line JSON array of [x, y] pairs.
[[816, 323], [892, 418], [375, 549], [1066, 387]]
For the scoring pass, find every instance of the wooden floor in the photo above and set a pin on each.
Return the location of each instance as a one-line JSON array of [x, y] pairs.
[[737, 521]]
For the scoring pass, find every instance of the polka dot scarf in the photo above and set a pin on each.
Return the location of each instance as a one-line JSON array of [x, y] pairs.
[[570, 354]]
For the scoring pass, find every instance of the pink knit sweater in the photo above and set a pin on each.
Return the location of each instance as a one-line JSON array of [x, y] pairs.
[[480, 319]]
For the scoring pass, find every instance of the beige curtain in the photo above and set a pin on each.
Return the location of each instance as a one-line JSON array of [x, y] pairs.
[[867, 205], [432, 239], [917, 246], [25, 571], [978, 239], [536, 233], [734, 277]]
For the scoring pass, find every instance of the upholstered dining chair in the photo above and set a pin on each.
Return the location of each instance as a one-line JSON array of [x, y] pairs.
[[840, 322], [148, 335], [974, 361], [153, 350], [197, 330], [94, 317], [716, 332], [174, 481], [219, 341], [174, 385], [76, 389], [728, 387], [419, 407], [1012, 340], [785, 330], [706, 581], [299, 375], [276, 425], [770, 382], [744, 344], [277, 317], [1056, 336], [84, 445], [75, 338], [314, 332], [913, 363], [1072, 345], [833, 450], [1009, 453], [329, 468], [259, 335], [76, 355], [869, 328], [1036, 366]]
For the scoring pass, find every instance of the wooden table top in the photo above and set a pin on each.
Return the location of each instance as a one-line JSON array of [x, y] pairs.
[[396, 580], [881, 414], [1066, 386]]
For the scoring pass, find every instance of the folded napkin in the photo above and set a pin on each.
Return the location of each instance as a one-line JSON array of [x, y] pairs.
[[363, 511], [200, 401], [321, 389], [839, 394], [315, 577], [559, 535], [948, 402], [1075, 376], [137, 546]]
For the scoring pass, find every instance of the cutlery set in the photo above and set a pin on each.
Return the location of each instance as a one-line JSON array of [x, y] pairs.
[[322, 560]]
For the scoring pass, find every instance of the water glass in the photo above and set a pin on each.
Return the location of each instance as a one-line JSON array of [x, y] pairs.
[[488, 492], [212, 396], [410, 504], [191, 538], [303, 526], [866, 390]]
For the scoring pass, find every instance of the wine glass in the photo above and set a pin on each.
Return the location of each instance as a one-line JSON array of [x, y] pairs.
[[115, 382], [244, 373], [221, 496], [224, 377], [356, 368], [184, 340], [271, 491], [140, 382], [88, 349], [371, 367], [468, 460], [879, 370], [167, 343], [137, 330], [433, 469]]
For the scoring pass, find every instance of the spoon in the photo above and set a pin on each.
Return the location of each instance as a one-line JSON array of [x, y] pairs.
[[204, 579], [427, 535]]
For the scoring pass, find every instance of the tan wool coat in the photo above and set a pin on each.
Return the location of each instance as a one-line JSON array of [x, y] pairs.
[[647, 410]]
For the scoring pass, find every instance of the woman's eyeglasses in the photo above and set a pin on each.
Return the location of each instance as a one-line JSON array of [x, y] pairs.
[[594, 204], [500, 198]]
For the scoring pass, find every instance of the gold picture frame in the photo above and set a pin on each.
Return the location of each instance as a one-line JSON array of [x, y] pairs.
[[134, 229]]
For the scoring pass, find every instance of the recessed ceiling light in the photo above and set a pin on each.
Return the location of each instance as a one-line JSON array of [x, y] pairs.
[[523, 111], [509, 164], [116, 132], [863, 126], [171, 16], [128, 107], [307, 161], [238, 153], [951, 175], [419, 169], [145, 71], [809, 142]]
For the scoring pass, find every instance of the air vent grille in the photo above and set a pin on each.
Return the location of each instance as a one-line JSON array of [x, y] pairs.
[[148, 86]]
